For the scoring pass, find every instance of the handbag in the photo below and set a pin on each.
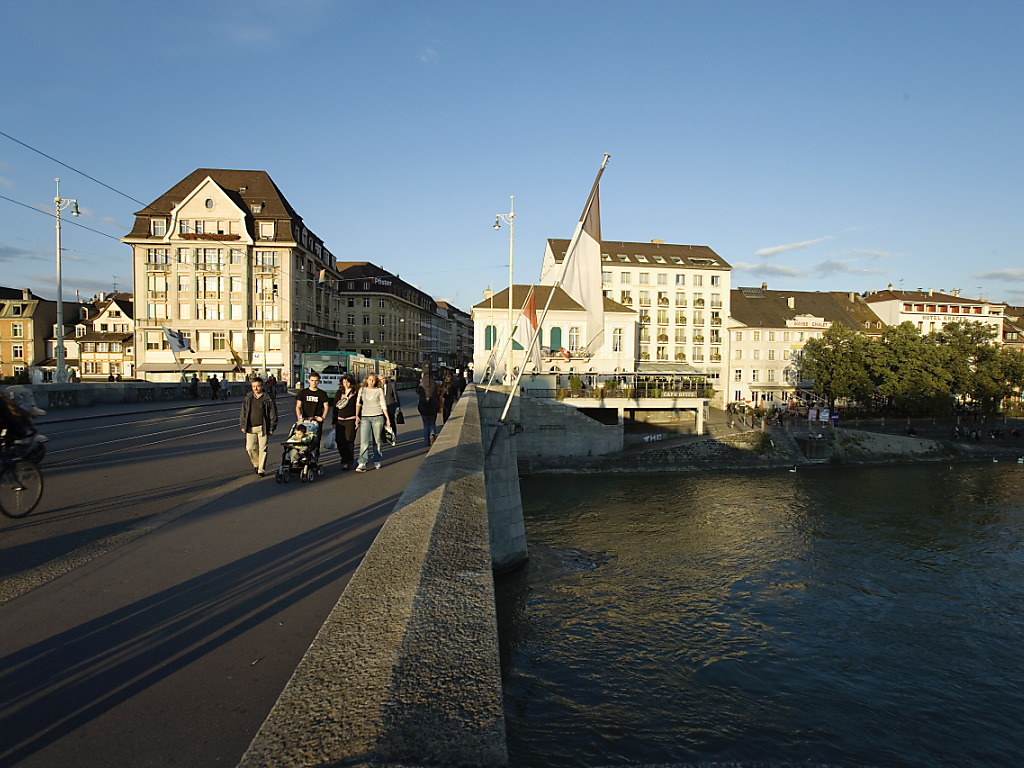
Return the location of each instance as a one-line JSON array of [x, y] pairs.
[[399, 417], [388, 436]]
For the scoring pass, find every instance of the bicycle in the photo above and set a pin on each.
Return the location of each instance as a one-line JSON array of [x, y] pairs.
[[21, 485]]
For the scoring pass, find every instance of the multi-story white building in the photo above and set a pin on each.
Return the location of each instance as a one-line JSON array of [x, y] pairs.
[[561, 332], [930, 310], [768, 330], [680, 294], [223, 258]]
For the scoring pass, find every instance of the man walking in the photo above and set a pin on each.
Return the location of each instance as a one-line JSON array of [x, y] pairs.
[[312, 404], [258, 422]]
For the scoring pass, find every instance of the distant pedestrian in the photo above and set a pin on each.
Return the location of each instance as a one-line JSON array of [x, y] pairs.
[[428, 404], [193, 387], [214, 387], [448, 391], [272, 386], [258, 421], [391, 400]]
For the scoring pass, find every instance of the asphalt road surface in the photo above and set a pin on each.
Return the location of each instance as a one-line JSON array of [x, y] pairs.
[[160, 597]]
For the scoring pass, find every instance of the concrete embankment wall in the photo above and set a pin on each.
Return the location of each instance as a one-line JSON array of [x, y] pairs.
[[551, 428], [405, 671], [54, 397]]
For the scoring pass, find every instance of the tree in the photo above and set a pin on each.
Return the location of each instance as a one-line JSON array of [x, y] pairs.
[[837, 363], [907, 370], [972, 361]]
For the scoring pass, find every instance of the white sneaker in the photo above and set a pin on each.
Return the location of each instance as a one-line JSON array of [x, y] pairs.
[[361, 468], [376, 465]]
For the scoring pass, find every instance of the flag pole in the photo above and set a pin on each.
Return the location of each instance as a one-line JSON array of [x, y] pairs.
[[558, 280]]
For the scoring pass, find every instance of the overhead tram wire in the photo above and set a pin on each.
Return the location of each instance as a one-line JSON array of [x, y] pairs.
[[54, 216], [72, 168]]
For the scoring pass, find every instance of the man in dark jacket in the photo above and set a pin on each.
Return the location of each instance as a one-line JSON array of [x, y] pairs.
[[258, 421]]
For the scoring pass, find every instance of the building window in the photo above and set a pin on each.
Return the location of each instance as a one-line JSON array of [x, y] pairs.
[[753, 374], [716, 281], [662, 278], [574, 338], [680, 278], [18, 351], [625, 278], [698, 281], [383, 319], [645, 278], [617, 340], [366, 302], [219, 340], [737, 375], [266, 230], [490, 336], [158, 227], [556, 339], [16, 330]]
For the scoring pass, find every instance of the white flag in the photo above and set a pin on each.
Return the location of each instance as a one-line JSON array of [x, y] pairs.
[[526, 332], [581, 268], [177, 341]]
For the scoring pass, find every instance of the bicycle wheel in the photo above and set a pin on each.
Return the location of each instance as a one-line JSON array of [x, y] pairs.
[[21, 487]]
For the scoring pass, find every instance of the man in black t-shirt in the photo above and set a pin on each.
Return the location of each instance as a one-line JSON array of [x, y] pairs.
[[312, 404]]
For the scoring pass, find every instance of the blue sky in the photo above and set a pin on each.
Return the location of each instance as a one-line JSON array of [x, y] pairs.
[[813, 145]]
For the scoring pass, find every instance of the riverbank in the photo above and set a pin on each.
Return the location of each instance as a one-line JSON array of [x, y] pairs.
[[779, 447]]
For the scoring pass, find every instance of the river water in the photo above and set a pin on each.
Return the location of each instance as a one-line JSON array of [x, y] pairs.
[[868, 616]]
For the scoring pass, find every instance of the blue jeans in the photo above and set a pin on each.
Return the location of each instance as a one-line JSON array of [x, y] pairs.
[[428, 426], [371, 429]]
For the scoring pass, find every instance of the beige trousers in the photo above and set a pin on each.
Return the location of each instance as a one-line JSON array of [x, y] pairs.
[[256, 446]]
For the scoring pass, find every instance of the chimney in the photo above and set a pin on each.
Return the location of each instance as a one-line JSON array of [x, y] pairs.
[[488, 293], [931, 292], [764, 286], [890, 286], [791, 302], [853, 297], [657, 241], [26, 294]]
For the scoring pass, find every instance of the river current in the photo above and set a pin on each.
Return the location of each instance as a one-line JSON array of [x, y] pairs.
[[866, 616]]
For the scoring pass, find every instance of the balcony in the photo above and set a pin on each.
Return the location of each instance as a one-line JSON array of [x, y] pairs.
[[716, 305], [208, 266], [698, 303], [158, 266], [645, 302], [663, 302], [716, 321], [698, 339], [158, 294], [265, 269], [715, 358], [680, 321]]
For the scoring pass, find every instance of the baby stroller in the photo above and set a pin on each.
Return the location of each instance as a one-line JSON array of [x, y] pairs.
[[301, 456]]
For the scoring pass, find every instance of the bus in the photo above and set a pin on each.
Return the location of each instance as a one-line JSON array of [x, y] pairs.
[[333, 365]]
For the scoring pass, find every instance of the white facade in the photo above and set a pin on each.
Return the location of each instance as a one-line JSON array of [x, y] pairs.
[[562, 333], [763, 367], [928, 311], [680, 293]]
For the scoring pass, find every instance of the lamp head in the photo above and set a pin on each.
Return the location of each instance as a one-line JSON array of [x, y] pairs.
[[497, 222], [74, 208]]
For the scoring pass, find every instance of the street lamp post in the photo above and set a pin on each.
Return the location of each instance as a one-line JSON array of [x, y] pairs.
[[61, 376], [510, 219]]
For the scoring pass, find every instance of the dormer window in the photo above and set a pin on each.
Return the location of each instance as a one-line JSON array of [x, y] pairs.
[[266, 230], [158, 227], [257, 208]]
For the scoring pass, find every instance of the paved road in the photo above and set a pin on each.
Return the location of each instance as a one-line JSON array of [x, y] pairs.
[[170, 648]]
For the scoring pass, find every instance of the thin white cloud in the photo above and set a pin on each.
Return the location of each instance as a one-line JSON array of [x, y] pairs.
[[1001, 274], [7, 183], [428, 56], [871, 254], [13, 253], [768, 270], [841, 267], [775, 250]]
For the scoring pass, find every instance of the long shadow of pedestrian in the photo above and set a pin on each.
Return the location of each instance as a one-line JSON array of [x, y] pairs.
[[55, 686]]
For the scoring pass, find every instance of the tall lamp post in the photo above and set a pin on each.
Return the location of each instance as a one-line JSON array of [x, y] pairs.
[[61, 376], [510, 219]]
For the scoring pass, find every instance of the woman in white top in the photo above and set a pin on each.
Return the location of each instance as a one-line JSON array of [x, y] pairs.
[[371, 416]]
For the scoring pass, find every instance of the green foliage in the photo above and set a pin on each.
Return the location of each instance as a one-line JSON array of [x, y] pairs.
[[837, 363], [575, 383]]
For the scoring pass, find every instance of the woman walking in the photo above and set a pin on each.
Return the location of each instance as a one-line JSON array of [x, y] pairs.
[[371, 417], [428, 403], [345, 421], [448, 391]]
